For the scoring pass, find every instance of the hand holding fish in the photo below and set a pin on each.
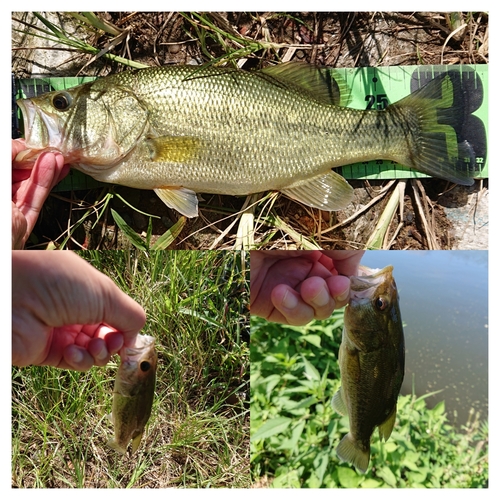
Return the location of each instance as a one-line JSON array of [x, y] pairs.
[[295, 287], [30, 188], [67, 314]]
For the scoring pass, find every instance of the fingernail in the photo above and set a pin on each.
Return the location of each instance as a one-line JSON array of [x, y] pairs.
[[102, 354], [289, 300], [343, 296], [76, 356], [322, 298]]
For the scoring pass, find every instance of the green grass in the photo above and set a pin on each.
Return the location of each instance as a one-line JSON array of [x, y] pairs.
[[294, 430], [198, 433]]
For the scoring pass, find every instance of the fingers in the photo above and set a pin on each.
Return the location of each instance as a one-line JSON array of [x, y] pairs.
[[18, 145], [346, 261], [289, 308], [318, 298], [19, 228], [96, 352], [76, 358]]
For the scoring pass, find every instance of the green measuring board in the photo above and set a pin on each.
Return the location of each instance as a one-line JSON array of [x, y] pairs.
[[369, 88]]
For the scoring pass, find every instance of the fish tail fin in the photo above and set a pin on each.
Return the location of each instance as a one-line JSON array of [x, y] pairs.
[[349, 450], [434, 117]]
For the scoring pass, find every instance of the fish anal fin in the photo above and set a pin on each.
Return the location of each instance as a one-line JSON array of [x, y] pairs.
[[183, 200], [349, 450], [136, 441], [327, 192], [173, 149], [385, 428]]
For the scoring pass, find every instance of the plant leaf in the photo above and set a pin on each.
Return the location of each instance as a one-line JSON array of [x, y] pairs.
[[131, 235], [272, 427]]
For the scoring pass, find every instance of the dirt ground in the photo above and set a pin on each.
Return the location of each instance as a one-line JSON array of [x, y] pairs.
[[432, 214]]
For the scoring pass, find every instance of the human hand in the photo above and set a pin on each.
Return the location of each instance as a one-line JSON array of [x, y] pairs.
[[295, 287], [67, 314], [31, 185]]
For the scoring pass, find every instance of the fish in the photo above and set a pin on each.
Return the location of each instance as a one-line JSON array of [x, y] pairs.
[[182, 130], [371, 359], [133, 393]]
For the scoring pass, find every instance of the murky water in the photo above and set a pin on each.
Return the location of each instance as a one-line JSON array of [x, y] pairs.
[[444, 305]]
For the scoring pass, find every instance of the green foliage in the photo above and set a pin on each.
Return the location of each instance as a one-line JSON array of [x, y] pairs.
[[294, 430]]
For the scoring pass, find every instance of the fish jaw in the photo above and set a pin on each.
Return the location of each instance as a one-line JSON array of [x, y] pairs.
[[365, 285], [373, 306], [42, 130]]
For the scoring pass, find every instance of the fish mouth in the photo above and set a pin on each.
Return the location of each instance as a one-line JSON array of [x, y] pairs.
[[41, 130], [142, 344], [364, 285]]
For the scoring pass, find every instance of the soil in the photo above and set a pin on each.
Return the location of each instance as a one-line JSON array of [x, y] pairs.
[[328, 39]]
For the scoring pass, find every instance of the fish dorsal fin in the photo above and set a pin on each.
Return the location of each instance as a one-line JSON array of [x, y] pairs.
[[338, 403], [181, 199], [385, 428], [326, 86], [327, 192], [172, 148]]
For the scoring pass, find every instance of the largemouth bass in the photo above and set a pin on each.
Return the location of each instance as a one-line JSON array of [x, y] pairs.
[[371, 358], [133, 393], [180, 130]]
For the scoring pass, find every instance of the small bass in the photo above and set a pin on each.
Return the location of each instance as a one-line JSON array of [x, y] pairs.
[[371, 358], [133, 393]]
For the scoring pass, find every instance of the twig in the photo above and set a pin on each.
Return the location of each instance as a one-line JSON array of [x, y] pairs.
[[430, 240], [454, 32]]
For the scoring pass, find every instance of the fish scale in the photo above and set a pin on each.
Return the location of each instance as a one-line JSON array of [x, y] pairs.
[[180, 130]]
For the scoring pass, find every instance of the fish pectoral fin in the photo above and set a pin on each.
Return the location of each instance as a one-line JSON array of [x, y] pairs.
[[338, 403], [181, 199], [349, 451], [327, 192], [136, 441], [385, 428], [172, 148], [109, 416]]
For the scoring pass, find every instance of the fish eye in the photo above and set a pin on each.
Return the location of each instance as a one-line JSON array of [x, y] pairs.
[[145, 366], [380, 303], [62, 101]]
